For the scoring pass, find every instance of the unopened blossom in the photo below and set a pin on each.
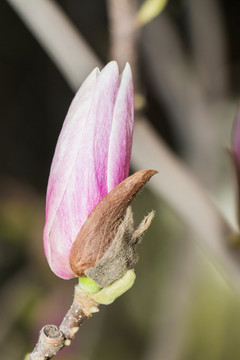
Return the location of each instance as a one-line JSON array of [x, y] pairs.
[[91, 158]]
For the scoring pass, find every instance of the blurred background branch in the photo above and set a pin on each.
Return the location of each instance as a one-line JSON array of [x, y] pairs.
[[123, 32], [208, 41], [59, 37]]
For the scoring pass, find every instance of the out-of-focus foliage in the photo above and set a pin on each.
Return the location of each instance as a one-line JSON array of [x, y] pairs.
[[180, 307], [150, 9]]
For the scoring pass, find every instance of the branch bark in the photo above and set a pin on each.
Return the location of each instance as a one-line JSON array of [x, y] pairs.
[[52, 338]]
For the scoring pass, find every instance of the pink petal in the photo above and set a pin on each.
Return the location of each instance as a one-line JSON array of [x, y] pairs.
[[78, 177], [121, 133]]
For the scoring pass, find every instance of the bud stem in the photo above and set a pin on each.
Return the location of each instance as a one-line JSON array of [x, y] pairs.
[[52, 339], [87, 297]]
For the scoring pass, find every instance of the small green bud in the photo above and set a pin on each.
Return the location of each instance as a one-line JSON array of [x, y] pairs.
[[108, 294], [88, 285], [150, 9]]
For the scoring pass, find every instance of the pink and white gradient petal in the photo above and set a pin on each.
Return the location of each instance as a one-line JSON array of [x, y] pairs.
[[78, 177], [120, 145]]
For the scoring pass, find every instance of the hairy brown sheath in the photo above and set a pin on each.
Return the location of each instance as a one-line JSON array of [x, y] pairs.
[[99, 230]]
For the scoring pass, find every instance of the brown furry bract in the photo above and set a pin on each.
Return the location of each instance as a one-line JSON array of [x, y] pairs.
[[103, 227]]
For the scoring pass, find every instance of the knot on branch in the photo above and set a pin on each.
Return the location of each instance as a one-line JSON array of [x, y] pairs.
[[51, 340]]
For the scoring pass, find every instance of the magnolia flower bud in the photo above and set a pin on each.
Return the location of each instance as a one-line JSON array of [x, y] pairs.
[[87, 199]]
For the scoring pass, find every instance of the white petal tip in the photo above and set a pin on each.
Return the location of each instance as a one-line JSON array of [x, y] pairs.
[[95, 72], [111, 66], [127, 72]]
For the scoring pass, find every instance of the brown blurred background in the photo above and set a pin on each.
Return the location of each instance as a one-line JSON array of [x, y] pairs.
[[180, 307]]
